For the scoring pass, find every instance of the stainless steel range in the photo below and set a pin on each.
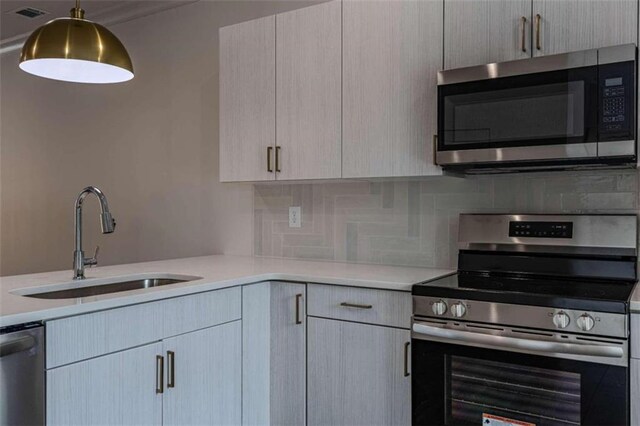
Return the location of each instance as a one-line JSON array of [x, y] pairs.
[[533, 329]]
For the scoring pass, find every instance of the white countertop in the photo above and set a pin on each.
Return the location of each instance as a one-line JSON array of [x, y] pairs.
[[216, 272]]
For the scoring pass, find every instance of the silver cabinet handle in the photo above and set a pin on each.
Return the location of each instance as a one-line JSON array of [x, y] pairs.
[[355, 305], [171, 369], [406, 359], [14, 346], [159, 374], [298, 298], [540, 346]]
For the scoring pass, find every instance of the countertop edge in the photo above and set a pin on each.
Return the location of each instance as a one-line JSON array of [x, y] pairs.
[[168, 293]]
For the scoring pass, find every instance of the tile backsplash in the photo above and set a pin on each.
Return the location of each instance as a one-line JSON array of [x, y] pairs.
[[415, 222]]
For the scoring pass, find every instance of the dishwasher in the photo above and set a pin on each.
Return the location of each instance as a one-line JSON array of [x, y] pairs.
[[22, 375]]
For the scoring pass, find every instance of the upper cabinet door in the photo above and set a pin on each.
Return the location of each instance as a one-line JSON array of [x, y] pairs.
[[392, 51], [570, 25], [308, 90], [247, 100], [478, 32]]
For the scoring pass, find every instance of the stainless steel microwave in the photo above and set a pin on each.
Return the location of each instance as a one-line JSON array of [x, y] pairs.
[[574, 110]]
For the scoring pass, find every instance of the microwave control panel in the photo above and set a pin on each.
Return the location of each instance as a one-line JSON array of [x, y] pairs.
[[617, 97]]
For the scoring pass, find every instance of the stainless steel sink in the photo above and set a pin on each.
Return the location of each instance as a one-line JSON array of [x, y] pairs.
[[96, 287]]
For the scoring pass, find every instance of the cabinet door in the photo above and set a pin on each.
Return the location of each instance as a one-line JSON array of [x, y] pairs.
[[203, 381], [392, 51], [247, 99], [116, 389], [635, 391], [308, 92], [569, 25], [478, 32], [274, 354], [356, 374]]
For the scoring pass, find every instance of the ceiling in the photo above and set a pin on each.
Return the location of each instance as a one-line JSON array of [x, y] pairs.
[[14, 27]]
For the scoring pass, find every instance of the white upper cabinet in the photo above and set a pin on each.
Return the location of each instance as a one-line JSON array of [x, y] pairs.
[[247, 100], [392, 51], [484, 31], [478, 32], [308, 92], [570, 25]]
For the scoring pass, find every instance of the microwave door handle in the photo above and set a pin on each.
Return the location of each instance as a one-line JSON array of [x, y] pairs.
[[540, 346]]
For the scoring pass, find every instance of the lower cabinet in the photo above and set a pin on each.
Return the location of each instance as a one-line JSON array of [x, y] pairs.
[[116, 389], [358, 374], [274, 354], [203, 377], [194, 378]]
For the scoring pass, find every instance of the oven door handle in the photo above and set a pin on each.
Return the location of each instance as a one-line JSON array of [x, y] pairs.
[[540, 346]]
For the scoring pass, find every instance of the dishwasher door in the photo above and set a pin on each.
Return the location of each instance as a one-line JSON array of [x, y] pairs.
[[22, 375]]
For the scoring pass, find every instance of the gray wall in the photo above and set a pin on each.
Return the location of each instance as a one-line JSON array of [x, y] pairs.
[[151, 144], [416, 222]]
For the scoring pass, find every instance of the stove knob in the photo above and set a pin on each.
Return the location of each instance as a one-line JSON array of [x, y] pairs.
[[561, 320], [585, 322], [439, 307], [458, 310]]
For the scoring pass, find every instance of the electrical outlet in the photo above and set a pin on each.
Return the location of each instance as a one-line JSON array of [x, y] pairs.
[[295, 217]]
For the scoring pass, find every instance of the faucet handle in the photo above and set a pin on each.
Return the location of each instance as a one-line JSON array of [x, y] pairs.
[[93, 261]]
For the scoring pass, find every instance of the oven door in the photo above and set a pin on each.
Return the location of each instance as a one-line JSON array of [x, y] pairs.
[[542, 116], [461, 380]]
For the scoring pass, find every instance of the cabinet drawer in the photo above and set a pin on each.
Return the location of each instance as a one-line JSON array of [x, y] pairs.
[[201, 310], [86, 336], [385, 307], [635, 336]]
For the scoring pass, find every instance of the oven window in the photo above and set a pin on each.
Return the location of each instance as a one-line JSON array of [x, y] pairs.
[[540, 112], [491, 390]]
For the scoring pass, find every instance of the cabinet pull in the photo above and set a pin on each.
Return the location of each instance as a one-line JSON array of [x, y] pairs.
[[523, 37], [159, 374], [435, 149], [538, 19], [171, 369], [355, 305], [269, 150], [298, 297], [406, 359], [278, 159]]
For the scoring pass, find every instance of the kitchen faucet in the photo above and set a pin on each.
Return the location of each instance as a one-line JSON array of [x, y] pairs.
[[107, 224]]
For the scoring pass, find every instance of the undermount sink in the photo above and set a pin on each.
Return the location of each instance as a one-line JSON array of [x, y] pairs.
[[98, 286]]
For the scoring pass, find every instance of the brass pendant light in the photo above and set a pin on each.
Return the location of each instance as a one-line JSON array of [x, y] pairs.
[[77, 50]]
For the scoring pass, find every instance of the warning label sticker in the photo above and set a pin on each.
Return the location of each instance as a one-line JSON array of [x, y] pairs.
[[491, 420]]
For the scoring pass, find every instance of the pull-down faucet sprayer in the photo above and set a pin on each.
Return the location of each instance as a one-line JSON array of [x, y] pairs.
[[107, 223]]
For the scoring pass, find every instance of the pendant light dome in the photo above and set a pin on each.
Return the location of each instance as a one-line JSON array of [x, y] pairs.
[[76, 50]]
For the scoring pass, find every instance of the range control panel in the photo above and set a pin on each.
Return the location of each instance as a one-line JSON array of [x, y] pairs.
[[541, 229]]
